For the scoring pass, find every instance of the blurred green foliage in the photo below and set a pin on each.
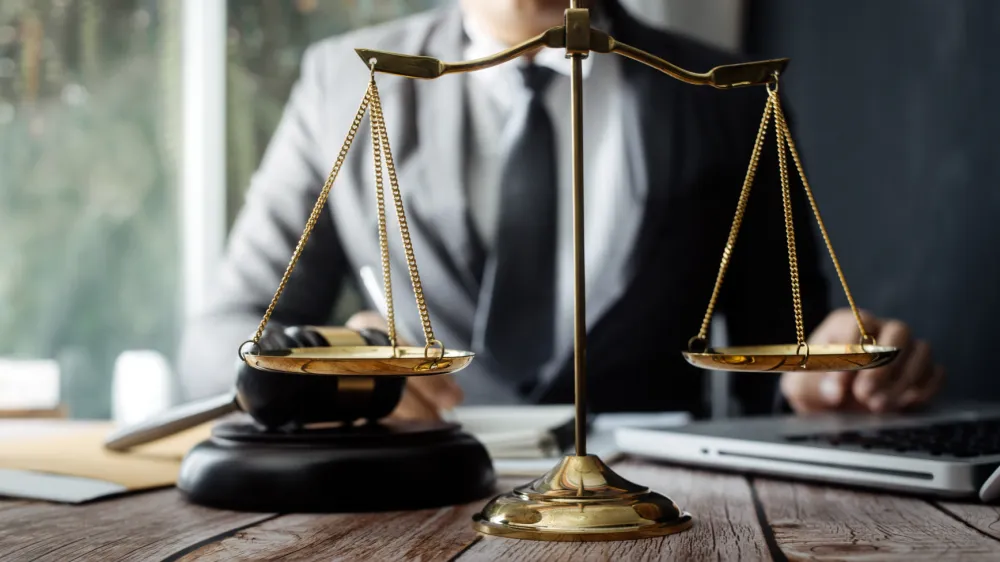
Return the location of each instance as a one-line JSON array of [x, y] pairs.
[[88, 168], [266, 43], [90, 140]]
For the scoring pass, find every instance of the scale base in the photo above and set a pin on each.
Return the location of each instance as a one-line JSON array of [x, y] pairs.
[[581, 499], [374, 467]]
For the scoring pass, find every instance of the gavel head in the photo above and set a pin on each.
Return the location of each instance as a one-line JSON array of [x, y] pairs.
[[293, 400]]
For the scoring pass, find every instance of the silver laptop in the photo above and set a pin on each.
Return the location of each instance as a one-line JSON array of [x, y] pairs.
[[954, 453]]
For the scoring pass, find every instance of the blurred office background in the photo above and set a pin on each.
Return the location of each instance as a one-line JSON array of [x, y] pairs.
[[896, 106], [128, 133], [129, 130]]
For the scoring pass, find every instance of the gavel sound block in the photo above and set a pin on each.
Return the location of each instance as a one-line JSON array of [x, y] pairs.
[[319, 443]]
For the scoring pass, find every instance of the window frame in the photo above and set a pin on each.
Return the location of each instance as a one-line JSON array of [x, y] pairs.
[[202, 224]]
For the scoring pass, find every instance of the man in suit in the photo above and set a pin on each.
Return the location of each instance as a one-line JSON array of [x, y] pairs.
[[483, 162]]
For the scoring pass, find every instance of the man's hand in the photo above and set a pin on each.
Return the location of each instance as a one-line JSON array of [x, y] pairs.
[[424, 397], [911, 379]]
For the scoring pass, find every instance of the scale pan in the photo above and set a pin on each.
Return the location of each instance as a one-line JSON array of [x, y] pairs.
[[830, 357], [364, 361]]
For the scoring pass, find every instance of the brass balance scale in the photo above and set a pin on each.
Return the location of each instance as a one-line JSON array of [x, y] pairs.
[[581, 498]]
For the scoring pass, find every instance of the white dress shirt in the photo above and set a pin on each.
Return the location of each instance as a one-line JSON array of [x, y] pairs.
[[612, 177]]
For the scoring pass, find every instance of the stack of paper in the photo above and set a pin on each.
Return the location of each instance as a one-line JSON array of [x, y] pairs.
[[528, 441], [515, 431]]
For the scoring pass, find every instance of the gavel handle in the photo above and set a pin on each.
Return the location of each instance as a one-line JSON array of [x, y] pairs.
[[172, 421]]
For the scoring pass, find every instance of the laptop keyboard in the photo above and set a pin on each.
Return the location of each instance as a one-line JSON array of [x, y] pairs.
[[960, 439]]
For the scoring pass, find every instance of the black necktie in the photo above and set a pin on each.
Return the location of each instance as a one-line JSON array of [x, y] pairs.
[[520, 272]]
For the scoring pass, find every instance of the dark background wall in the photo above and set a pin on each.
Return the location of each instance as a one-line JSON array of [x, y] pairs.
[[897, 104]]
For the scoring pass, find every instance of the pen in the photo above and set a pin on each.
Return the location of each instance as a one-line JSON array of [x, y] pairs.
[[374, 292]]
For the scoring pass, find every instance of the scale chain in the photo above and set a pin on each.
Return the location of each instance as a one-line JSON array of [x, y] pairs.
[[786, 200], [314, 215], [383, 237], [737, 222], [380, 137], [785, 131], [786, 145], [371, 104]]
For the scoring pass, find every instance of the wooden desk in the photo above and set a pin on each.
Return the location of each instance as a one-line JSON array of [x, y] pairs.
[[736, 519]]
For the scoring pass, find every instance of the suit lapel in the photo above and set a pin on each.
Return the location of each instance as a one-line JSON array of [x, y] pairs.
[[441, 125], [424, 128], [656, 102]]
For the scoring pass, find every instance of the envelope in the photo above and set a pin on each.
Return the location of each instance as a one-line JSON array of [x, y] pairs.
[[65, 461]]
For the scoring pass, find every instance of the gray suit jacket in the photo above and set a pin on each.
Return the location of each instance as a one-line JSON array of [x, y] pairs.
[[695, 141]]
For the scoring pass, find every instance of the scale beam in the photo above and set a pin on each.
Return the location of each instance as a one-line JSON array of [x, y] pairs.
[[413, 66], [724, 77]]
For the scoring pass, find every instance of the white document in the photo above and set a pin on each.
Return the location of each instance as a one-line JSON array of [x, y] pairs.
[[521, 442], [54, 487]]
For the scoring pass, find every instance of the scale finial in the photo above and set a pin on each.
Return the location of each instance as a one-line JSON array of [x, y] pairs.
[[411, 66]]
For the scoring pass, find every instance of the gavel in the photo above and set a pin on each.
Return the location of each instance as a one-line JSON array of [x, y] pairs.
[[283, 401]]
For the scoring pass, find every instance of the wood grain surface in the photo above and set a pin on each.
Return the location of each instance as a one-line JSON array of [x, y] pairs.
[[984, 518], [735, 519], [725, 524], [434, 534], [824, 523], [150, 526]]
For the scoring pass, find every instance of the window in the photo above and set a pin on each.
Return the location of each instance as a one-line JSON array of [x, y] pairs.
[[92, 115], [89, 116], [266, 41]]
